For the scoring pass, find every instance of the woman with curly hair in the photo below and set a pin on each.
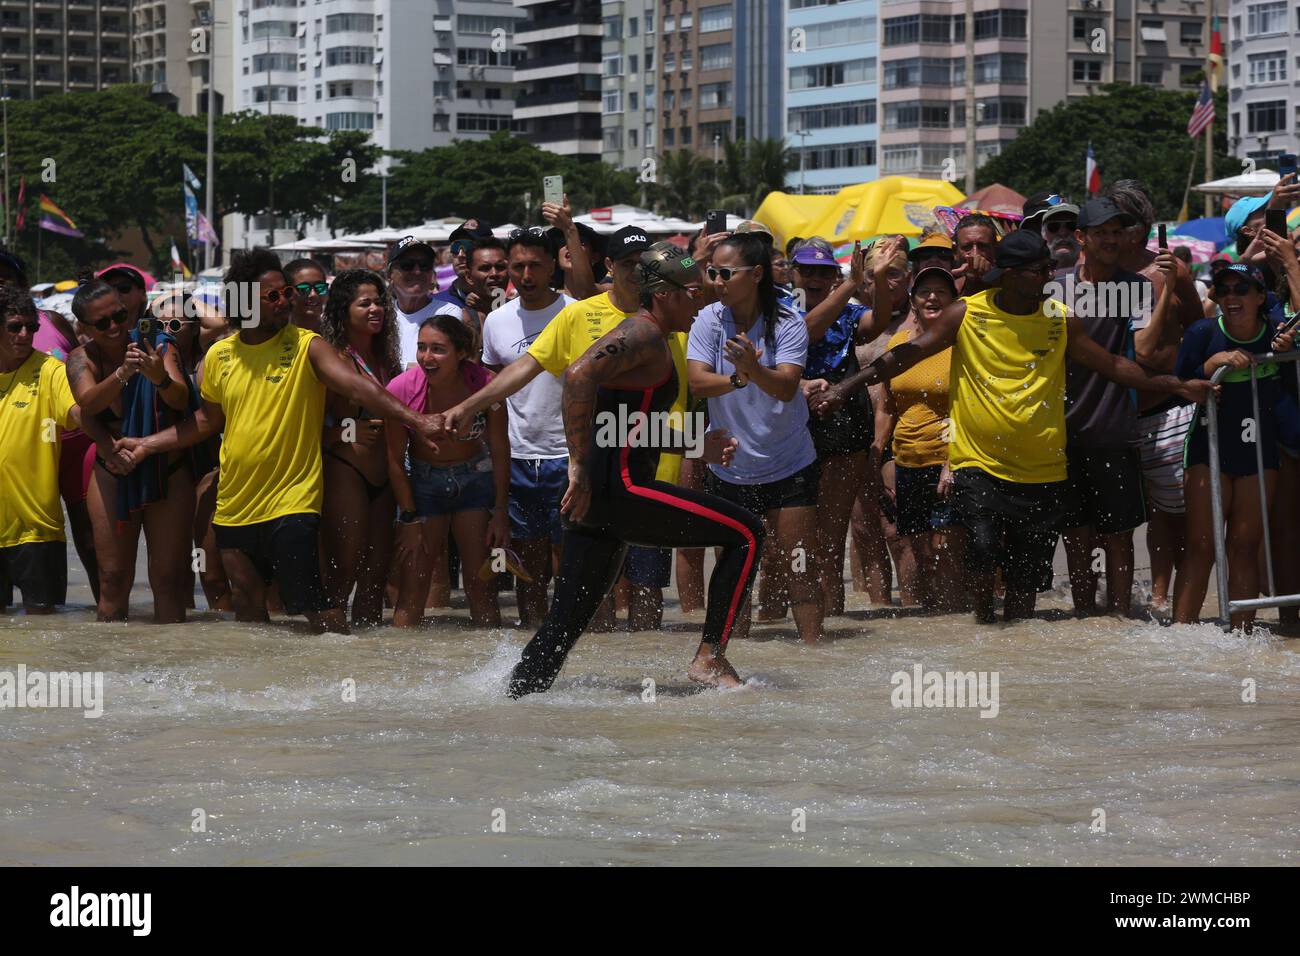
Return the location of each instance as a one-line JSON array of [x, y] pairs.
[[357, 515]]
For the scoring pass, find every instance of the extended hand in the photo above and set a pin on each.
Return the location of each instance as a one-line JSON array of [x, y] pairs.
[[1198, 390], [828, 401], [742, 354], [719, 447], [577, 497]]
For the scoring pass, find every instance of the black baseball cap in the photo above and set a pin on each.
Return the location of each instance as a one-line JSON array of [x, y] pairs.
[[1251, 273], [407, 243], [1023, 247], [1100, 210], [471, 229], [627, 241], [1041, 205]]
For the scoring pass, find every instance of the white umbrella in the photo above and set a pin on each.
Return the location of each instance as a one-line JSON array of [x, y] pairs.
[[1258, 183]]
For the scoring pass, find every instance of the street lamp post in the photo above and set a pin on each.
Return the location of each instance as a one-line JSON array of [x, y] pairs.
[[4, 108]]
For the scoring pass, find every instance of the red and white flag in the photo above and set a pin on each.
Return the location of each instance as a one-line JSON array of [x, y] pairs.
[[1203, 114], [1092, 174]]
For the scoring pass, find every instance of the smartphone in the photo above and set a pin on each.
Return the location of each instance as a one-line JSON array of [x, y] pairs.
[[553, 190], [147, 330], [1288, 325], [716, 222], [1161, 240], [1286, 164], [1275, 221]]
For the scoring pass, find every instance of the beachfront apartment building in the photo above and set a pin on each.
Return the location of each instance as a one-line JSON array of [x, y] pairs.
[[832, 83], [1262, 49], [627, 96], [558, 75], [174, 44], [63, 46]]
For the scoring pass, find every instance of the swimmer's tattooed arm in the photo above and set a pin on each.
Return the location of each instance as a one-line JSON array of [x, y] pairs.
[[636, 345]]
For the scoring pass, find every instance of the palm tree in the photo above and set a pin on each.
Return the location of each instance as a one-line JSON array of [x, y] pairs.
[[768, 161], [684, 181]]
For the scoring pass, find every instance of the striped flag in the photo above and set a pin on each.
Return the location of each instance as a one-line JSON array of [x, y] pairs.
[[48, 206], [178, 263], [50, 224], [1092, 173], [1215, 60], [1203, 114]]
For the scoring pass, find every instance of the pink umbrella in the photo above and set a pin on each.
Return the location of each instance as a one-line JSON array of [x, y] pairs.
[[1200, 249]]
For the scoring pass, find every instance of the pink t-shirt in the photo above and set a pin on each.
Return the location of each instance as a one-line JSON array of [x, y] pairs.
[[51, 340], [411, 387]]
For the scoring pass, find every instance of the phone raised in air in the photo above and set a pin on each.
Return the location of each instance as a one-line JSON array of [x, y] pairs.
[[553, 190], [1161, 239], [1275, 221], [715, 222], [1286, 164]]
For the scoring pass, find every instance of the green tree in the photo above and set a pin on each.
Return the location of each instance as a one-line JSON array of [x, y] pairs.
[[685, 184], [1137, 132]]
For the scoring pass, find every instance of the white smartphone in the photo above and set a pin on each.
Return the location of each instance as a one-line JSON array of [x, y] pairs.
[[553, 189]]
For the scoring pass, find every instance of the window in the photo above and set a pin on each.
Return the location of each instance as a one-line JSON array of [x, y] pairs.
[[670, 62], [1153, 31], [358, 22], [339, 89], [274, 28], [632, 63], [318, 91], [442, 88], [833, 74], [837, 157], [482, 122], [440, 123], [1153, 74], [687, 20], [688, 60], [631, 31], [611, 139], [649, 22], [686, 136], [715, 57], [670, 136], [830, 117], [900, 30], [649, 61], [840, 33], [349, 121], [649, 138], [1083, 28], [1087, 71], [613, 28], [995, 68], [612, 102], [1189, 32], [1267, 117], [714, 95], [341, 55], [715, 18], [483, 26], [1263, 19], [262, 62], [613, 65], [278, 94], [649, 98], [670, 99], [670, 24], [632, 100], [481, 56], [1266, 67]]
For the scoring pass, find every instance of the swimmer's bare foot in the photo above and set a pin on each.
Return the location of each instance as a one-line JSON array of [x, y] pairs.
[[712, 670]]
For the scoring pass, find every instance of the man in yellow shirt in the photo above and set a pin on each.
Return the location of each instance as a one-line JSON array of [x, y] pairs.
[[264, 389], [1008, 415], [36, 403], [564, 339]]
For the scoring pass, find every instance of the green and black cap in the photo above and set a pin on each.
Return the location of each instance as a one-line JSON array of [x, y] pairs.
[[664, 266]]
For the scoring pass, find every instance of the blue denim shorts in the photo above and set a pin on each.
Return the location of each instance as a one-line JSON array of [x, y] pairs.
[[446, 489], [536, 487]]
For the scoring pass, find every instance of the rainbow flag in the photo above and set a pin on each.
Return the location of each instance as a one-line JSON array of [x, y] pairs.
[[178, 263], [48, 206], [50, 224]]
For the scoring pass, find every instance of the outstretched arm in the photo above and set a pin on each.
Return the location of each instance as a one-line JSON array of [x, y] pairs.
[[340, 376], [1081, 348]]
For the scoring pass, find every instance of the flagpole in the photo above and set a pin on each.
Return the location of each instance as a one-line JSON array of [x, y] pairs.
[[39, 232], [1187, 190]]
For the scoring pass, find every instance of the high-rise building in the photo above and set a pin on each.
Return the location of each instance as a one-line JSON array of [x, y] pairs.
[[167, 56], [628, 112], [923, 83], [60, 47], [558, 76], [831, 88], [1262, 42], [1080, 45]]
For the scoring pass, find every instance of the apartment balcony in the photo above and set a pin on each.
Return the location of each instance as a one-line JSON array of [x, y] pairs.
[[546, 29]]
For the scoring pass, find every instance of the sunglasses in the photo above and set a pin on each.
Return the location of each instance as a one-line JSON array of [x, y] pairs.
[[538, 231], [173, 326], [462, 247], [1060, 225], [117, 318], [31, 325], [414, 265], [307, 288], [1237, 288], [275, 295], [725, 273]]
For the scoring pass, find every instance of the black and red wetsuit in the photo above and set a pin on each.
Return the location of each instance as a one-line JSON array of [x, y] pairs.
[[628, 506]]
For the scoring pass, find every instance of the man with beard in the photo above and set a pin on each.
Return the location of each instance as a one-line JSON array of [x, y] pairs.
[[1055, 219], [264, 391]]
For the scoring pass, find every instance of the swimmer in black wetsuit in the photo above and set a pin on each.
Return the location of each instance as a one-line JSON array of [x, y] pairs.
[[613, 500]]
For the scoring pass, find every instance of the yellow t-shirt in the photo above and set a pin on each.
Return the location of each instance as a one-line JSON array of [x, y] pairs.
[[275, 409], [582, 323], [1008, 391], [921, 397], [35, 402]]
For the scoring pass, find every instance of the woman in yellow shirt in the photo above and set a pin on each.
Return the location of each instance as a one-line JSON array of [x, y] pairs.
[[916, 401]]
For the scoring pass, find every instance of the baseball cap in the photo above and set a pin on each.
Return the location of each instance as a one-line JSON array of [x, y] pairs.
[[936, 242], [933, 271], [1251, 273], [627, 241], [471, 229], [1101, 210], [664, 267], [753, 225], [814, 252], [15, 262], [1023, 247], [1041, 205], [125, 268], [405, 244], [1240, 211]]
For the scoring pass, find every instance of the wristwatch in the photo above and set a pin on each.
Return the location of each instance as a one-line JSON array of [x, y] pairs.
[[407, 517], [736, 382]]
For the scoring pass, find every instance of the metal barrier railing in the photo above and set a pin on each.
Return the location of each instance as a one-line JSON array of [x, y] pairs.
[[1228, 607]]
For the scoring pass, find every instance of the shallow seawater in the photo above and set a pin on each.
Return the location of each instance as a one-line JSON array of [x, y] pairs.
[[432, 764]]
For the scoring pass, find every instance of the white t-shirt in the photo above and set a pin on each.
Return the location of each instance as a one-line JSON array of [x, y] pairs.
[[536, 420], [408, 326]]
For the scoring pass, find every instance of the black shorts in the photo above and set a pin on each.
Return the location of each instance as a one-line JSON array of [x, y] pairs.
[[1012, 525], [39, 570], [920, 509], [285, 550], [797, 491], [846, 431], [1106, 484]]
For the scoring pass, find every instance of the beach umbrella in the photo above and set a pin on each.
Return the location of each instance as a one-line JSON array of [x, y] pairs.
[[1209, 229]]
